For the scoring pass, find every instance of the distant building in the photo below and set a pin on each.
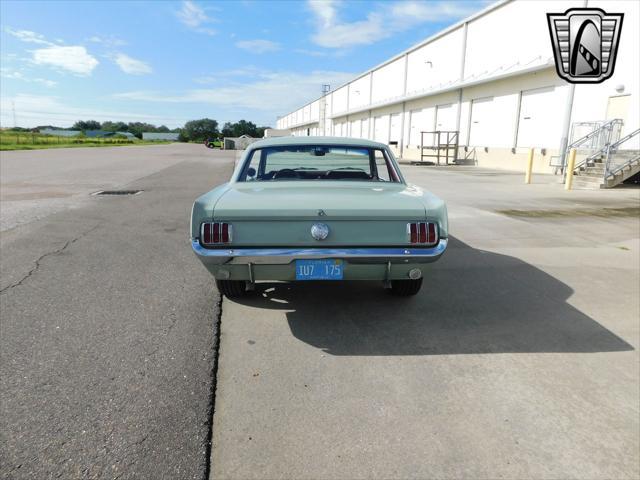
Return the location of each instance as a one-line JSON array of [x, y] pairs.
[[490, 82], [105, 134], [237, 143], [277, 132], [172, 137], [60, 133]]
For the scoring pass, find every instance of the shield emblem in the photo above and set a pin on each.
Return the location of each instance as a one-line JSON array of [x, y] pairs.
[[585, 43]]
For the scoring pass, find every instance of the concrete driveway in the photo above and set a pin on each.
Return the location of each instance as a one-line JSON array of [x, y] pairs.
[[518, 359]]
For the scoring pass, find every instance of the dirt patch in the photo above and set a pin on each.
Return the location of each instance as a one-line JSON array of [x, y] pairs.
[[579, 212], [34, 196]]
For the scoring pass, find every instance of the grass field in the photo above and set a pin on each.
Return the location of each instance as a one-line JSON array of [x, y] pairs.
[[10, 140]]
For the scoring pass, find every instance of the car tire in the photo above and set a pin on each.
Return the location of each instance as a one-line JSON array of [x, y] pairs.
[[405, 288], [231, 288]]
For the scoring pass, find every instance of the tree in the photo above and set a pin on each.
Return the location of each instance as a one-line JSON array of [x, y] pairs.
[[114, 126], [138, 127], [200, 130], [242, 127], [86, 125], [50, 127], [162, 129], [227, 130]]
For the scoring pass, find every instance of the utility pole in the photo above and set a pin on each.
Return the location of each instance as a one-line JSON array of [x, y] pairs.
[[13, 108], [323, 110]]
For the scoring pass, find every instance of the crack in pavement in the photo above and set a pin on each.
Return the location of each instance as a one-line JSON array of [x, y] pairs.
[[213, 390], [48, 254]]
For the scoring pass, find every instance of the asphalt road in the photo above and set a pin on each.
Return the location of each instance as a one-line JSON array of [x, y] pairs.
[[519, 358], [38, 183], [108, 320]]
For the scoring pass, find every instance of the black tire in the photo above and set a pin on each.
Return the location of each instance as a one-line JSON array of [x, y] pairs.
[[231, 288], [405, 288]]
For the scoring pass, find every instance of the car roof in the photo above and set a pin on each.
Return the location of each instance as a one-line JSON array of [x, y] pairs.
[[341, 141]]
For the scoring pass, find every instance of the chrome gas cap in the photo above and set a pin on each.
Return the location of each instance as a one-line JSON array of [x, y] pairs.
[[320, 231]]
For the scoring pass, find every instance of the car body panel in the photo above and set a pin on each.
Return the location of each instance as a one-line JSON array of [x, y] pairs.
[[272, 220]]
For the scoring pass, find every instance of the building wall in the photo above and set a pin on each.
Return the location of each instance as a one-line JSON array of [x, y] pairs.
[[501, 91]]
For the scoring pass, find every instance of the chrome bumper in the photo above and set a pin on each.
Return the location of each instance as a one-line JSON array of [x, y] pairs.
[[283, 256]]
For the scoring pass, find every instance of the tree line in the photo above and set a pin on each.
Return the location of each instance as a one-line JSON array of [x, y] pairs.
[[207, 129], [192, 131]]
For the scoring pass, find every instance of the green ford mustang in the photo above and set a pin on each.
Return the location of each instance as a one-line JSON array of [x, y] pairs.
[[318, 208]]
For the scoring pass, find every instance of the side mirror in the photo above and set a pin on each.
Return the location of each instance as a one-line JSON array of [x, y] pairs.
[[251, 172]]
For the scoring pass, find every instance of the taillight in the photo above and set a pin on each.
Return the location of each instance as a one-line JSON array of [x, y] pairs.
[[215, 233], [425, 233]]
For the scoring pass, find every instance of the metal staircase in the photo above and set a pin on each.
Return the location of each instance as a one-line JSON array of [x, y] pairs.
[[606, 164]]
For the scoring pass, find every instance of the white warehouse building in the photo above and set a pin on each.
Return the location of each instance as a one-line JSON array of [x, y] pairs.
[[490, 77]]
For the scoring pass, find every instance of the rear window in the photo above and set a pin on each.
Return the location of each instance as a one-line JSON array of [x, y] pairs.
[[318, 162]]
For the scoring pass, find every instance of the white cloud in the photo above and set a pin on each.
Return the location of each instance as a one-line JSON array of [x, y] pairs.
[[386, 20], [17, 75], [310, 53], [194, 17], [28, 36], [74, 59], [131, 65], [246, 72], [45, 82], [191, 14], [272, 92], [108, 41], [33, 110], [258, 46], [325, 10]]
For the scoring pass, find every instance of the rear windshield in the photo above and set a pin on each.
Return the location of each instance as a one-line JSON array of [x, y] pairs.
[[318, 162]]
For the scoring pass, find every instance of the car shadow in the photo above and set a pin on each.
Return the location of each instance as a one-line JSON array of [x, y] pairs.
[[472, 301]]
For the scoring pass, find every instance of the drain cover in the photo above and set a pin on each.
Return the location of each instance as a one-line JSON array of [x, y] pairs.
[[117, 192]]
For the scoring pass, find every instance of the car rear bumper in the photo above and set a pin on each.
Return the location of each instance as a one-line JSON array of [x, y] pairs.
[[284, 256], [256, 264]]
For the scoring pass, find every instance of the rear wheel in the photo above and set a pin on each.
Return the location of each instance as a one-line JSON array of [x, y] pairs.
[[405, 288], [231, 288]]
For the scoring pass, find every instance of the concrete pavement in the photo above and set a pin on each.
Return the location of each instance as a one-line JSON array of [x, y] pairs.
[[519, 358]]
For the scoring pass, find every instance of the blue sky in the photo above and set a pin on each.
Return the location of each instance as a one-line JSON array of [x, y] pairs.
[[168, 62]]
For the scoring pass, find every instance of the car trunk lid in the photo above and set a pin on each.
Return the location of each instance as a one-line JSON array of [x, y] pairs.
[[282, 213]]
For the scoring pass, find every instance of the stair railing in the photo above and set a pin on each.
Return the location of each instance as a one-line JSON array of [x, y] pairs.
[[603, 136], [609, 169]]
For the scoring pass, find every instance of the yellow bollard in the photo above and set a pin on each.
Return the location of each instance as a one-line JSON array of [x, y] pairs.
[[527, 175], [570, 166]]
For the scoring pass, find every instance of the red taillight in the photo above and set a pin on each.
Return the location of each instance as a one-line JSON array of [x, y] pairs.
[[431, 236], [225, 233], [422, 233], [215, 233], [206, 233]]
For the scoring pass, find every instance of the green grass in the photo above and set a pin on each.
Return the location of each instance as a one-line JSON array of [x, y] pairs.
[[33, 141]]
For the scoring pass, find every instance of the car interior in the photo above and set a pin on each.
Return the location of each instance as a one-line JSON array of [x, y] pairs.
[[318, 163]]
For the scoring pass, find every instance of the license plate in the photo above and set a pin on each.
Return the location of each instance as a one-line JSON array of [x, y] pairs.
[[319, 269]]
